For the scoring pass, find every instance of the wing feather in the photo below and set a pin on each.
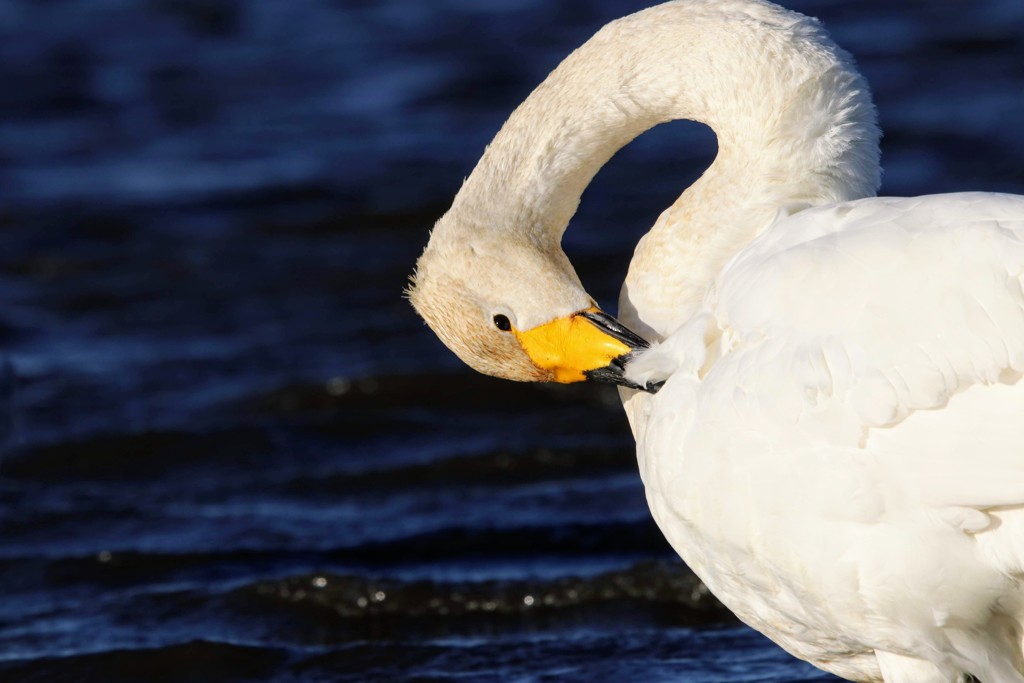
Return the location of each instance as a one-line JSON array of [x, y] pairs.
[[887, 331]]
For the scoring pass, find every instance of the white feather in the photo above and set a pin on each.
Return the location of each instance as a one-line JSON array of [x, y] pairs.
[[853, 460]]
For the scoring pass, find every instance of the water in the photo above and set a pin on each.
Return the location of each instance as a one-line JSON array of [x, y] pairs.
[[230, 452]]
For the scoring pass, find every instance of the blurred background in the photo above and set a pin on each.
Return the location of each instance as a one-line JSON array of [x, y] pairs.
[[230, 451]]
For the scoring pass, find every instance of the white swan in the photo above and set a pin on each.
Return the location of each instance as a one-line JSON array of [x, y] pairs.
[[838, 446]]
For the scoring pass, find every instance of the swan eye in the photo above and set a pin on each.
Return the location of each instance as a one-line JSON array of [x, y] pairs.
[[502, 323]]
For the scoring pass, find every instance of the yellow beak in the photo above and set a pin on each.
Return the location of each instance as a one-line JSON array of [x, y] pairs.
[[589, 344]]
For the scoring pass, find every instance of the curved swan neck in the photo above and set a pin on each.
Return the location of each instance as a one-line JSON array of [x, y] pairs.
[[793, 118]]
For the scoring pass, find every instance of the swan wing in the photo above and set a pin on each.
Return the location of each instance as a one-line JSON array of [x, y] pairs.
[[922, 300], [838, 448], [860, 358]]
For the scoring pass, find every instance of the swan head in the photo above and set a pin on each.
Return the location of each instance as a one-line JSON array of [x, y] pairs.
[[514, 308]]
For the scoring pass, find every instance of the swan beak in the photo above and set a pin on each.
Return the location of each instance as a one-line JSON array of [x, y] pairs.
[[587, 345]]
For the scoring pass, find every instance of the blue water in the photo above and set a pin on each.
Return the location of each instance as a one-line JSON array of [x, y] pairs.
[[230, 450]]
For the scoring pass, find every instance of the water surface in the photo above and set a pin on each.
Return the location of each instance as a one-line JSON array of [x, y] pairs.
[[231, 451]]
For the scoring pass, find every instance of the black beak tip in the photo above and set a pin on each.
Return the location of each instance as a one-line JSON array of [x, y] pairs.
[[653, 387], [614, 373]]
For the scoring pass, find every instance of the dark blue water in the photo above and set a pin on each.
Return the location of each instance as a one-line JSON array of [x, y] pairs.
[[230, 450]]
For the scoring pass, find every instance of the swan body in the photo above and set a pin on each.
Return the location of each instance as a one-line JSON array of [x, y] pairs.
[[837, 446], [841, 457]]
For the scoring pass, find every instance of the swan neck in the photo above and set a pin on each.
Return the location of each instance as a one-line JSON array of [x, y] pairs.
[[533, 173], [783, 100], [794, 121]]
